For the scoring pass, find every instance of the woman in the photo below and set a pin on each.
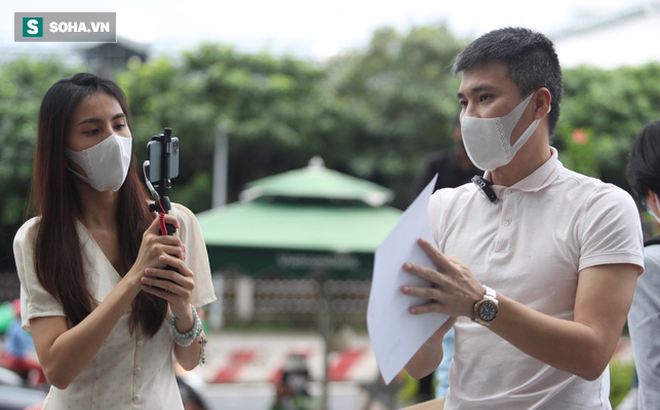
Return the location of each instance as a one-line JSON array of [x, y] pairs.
[[104, 313], [644, 315]]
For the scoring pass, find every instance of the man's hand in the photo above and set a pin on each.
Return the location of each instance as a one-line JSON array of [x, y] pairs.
[[454, 289]]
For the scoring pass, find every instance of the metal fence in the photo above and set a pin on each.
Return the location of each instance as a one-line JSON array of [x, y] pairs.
[[297, 301]]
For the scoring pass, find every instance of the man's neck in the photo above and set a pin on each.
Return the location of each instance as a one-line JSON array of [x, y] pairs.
[[527, 160]]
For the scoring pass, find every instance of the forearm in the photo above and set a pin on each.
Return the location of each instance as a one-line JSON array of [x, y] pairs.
[[564, 344], [189, 356], [429, 356], [64, 353], [582, 346]]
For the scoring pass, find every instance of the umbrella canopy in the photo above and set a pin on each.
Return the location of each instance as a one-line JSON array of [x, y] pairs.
[[318, 182], [306, 220]]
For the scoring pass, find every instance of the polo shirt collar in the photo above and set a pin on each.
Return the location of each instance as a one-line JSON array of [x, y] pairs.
[[537, 180]]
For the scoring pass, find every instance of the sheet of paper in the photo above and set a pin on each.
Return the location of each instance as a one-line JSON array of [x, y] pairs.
[[395, 333]]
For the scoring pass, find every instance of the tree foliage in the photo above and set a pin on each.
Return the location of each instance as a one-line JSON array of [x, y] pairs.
[[602, 112], [399, 100], [23, 84], [375, 113], [269, 108], [280, 112]]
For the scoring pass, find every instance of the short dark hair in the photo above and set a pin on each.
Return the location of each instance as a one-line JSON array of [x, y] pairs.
[[530, 57], [644, 161]]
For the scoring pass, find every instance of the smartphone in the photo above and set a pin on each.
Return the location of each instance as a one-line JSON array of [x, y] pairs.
[[155, 155]]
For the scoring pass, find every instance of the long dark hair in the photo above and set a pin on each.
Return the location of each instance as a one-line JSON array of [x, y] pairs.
[[58, 257]]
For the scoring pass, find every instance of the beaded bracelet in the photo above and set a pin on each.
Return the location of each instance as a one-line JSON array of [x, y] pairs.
[[186, 339]]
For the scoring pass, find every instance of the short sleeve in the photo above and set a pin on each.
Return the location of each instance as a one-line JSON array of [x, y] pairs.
[[434, 212], [441, 200], [35, 300], [611, 232], [197, 257]]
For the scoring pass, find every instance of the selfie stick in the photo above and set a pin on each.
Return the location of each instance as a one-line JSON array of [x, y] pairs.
[[159, 190]]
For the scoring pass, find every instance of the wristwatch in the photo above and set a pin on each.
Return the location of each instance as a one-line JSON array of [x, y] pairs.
[[485, 310]]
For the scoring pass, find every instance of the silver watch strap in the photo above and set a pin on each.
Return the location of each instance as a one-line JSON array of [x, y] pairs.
[[490, 292]]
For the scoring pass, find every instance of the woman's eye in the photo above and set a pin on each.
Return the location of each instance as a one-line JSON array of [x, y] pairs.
[[120, 126], [92, 132]]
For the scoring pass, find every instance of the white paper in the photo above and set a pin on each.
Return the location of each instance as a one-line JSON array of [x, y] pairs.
[[395, 333]]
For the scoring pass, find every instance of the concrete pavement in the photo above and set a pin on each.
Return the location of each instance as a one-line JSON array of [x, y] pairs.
[[260, 357]]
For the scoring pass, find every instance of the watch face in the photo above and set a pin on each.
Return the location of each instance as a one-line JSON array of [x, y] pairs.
[[487, 310]]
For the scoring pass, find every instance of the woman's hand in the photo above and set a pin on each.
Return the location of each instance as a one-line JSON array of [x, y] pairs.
[[175, 286], [454, 288], [149, 271], [153, 246]]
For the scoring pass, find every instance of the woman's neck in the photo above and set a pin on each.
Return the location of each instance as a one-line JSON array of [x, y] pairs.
[[98, 209]]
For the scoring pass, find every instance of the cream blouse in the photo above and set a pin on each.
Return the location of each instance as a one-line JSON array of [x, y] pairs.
[[130, 371]]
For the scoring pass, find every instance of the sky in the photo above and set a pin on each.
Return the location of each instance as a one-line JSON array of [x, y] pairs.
[[313, 29]]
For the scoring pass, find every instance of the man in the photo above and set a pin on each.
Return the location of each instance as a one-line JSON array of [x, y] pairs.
[[644, 316], [560, 252]]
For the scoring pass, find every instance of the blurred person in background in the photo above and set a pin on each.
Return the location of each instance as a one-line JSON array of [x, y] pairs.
[[18, 354], [191, 397], [292, 389], [644, 315], [453, 165], [105, 314]]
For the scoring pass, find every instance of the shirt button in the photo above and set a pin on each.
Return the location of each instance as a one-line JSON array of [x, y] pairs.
[[140, 343], [507, 191], [137, 370], [506, 223], [136, 398]]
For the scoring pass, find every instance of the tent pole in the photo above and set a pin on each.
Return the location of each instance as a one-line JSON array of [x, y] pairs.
[[324, 327]]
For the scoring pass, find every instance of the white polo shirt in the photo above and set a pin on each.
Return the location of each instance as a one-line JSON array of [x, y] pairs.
[[530, 245]]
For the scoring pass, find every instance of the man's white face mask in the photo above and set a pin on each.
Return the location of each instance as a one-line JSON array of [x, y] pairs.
[[106, 163], [488, 140], [648, 208]]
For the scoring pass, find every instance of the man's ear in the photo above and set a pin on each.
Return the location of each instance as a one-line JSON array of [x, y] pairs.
[[650, 199], [542, 101]]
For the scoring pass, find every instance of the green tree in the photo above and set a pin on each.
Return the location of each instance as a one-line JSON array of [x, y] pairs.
[[398, 101], [268, 106], [23, 84], [374, 113], [610, 107]]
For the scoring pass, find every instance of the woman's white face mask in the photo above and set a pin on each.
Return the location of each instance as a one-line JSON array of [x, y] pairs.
[[488, 140], [106, 163]]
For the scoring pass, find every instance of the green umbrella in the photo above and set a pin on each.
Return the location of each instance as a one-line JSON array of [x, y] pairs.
[[301, 221], [318, 182]]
